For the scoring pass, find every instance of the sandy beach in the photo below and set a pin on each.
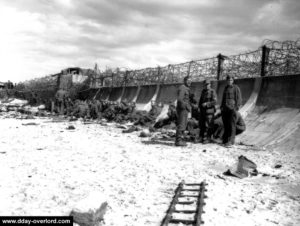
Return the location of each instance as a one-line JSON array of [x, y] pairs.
[[46, 169]]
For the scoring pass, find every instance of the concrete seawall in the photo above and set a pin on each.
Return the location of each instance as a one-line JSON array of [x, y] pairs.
[[275, 120], [271, 106]]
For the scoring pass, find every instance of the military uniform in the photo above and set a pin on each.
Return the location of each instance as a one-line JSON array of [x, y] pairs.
[[69, 105], [81, 110], [218, 128], [207, 105], [124, 108], [60, 97], [183, 108], [149, 118], [171, 117], [95, 109], [121, 112], [194, 107], [110, 112], [132, 113], [231, 102]]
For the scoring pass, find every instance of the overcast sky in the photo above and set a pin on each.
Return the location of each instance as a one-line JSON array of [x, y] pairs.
[[42, 37]]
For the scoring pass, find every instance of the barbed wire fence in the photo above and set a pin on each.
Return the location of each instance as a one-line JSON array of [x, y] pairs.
[[283, 57], [244, 65], [272, 59]]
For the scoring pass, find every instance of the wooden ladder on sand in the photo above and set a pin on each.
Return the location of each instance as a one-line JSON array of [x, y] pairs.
[[187, 205]]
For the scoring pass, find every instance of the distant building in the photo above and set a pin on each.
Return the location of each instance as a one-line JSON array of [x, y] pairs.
[[70, 76], [6, 85]]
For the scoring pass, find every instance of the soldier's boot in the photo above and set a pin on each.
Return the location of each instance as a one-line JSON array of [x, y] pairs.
[[206, 141], [216, 140], [179, 139], [206, 138], [198, 140], [180, 143], [228, 144]]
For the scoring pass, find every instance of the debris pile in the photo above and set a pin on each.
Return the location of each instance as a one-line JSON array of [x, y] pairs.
[[14, 106]]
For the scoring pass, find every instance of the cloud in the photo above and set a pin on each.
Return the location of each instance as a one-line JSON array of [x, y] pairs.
[[41, 37]]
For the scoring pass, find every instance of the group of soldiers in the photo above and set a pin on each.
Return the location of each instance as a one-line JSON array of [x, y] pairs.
[[203, 121], [119, 112], [219, 124]]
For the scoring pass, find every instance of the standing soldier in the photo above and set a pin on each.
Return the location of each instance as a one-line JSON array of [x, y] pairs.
[[69, 106], [60, 100], [183, 108], [231, 103], [207, 104]]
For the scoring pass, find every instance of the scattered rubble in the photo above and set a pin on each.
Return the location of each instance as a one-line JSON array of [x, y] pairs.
[[21, 106], [71, 127], [30, 124]]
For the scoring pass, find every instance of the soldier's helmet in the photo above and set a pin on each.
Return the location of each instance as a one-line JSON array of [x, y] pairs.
[[206, 81], [228, 76]]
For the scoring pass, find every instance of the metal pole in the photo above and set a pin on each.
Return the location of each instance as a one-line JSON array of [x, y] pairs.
[[264, 60], [169, 74], [112, 79], [158, 75], [189, 69], [220, 66]]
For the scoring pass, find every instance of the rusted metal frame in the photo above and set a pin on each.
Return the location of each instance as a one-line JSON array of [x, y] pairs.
[[168, 217]]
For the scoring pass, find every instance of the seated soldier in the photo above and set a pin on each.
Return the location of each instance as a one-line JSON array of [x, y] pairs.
[[104, 104], [144, 118], [81, 110], [124, 106], [171, 118], [111, 111], [134, 114], [218, 127], [121, 111], [149, 117], [130, 109]]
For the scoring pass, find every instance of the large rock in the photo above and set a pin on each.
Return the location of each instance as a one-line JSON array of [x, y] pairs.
[[90, 210]]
